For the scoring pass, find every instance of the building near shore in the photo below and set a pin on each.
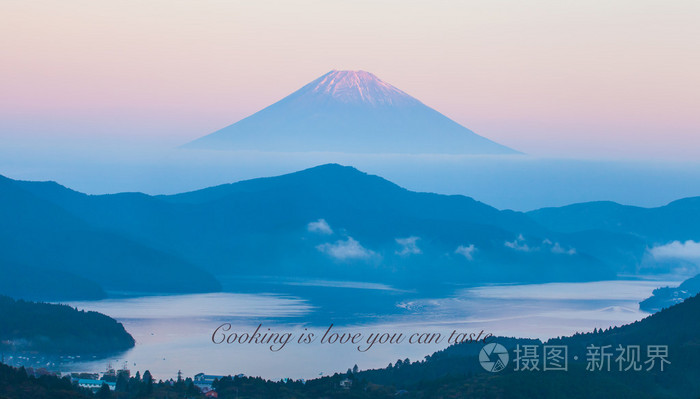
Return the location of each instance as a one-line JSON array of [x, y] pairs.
[[96, 385]]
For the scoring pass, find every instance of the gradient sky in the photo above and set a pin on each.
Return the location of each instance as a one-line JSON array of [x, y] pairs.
[[554, 78]]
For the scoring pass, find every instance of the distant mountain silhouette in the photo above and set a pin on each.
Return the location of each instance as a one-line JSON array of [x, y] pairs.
[[679, 220], [350, 112], [328, 222]]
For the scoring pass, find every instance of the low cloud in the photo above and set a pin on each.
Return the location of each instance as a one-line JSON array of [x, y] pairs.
[[518, 244], [466, 251], [408, 246], [558, 249], [689, 251], [320, 226], [345, 249]]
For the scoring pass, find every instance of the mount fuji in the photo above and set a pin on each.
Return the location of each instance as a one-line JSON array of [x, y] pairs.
[[349, 112]]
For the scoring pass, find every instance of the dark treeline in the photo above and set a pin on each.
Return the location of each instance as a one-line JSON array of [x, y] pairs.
[[137, 387], [58, 329], [15, 383]]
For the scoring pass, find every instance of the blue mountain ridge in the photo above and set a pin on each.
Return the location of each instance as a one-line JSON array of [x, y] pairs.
[[374, 231]]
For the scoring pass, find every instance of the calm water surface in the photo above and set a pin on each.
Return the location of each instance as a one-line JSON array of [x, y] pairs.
[[175, 332]]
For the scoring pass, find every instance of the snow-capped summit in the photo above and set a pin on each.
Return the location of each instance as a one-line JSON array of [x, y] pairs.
[[357, 87], [350, 112]]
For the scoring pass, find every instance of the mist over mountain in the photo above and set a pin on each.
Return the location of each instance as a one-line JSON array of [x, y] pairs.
[[350, 112], [670, 233]]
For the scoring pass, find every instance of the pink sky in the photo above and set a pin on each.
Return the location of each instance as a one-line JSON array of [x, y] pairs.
[[557, 78]]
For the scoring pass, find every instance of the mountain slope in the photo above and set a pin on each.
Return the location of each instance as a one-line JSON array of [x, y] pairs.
[[456, 369], [350, 112], [56, 254], [328, 222], [336, 222]]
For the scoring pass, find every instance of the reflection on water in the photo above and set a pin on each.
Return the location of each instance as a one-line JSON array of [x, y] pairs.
[[199, 306], [600, 290], [175, 332]]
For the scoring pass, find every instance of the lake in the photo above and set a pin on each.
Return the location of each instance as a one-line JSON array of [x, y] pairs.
[[175, 332]]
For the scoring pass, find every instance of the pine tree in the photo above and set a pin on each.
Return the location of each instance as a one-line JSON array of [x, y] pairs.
[[148, 382]]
